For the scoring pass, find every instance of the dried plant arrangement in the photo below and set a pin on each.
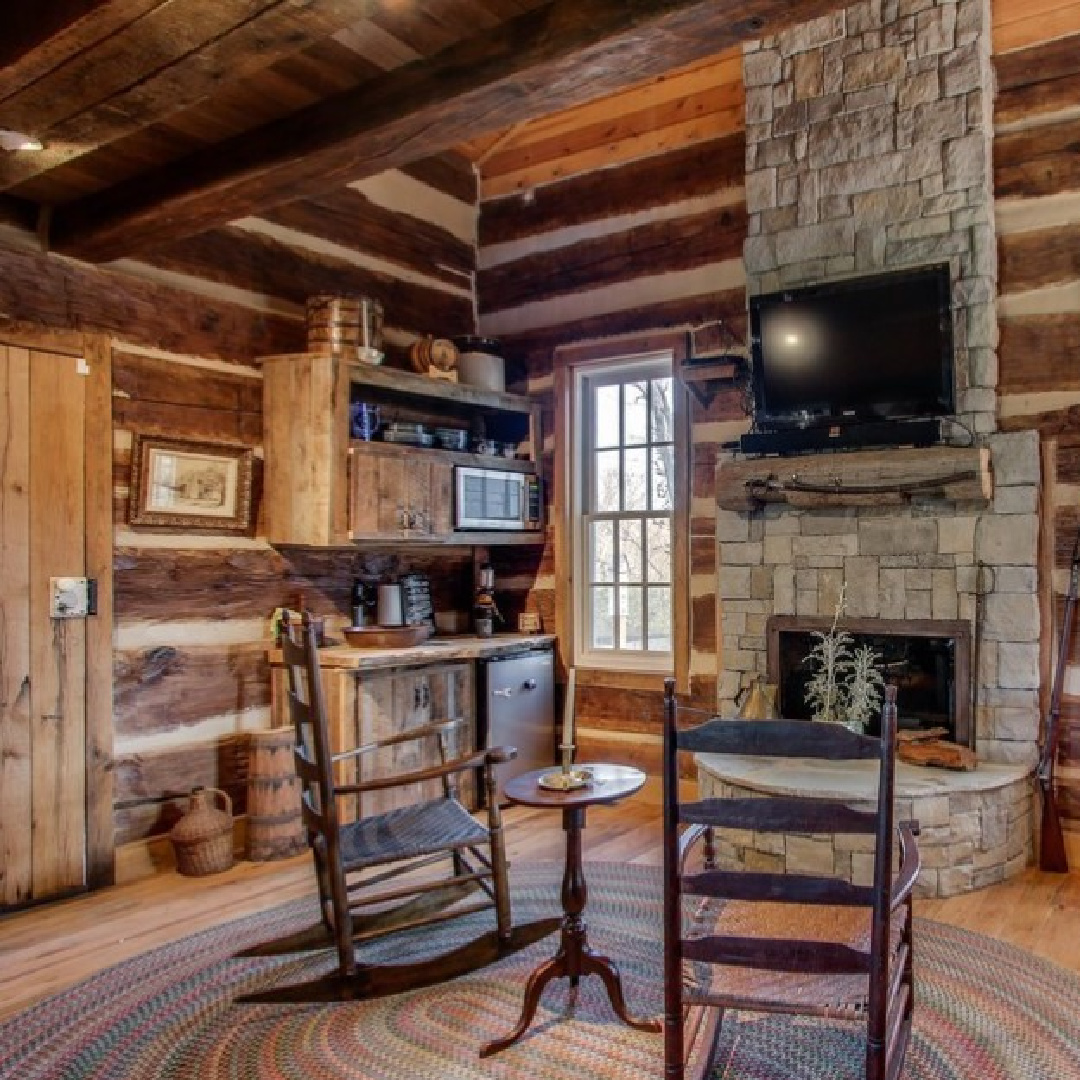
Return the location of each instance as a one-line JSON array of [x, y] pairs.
[[863, 688], [846, 686], [832, 662]]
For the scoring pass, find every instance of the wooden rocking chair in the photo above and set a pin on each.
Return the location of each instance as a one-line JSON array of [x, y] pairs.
[[786, 943], [417, 863]]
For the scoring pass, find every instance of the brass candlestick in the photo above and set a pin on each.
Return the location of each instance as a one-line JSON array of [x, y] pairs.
[[567, 778]]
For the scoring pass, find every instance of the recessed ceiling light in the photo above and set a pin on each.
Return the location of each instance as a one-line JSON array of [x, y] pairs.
[[17, 140]]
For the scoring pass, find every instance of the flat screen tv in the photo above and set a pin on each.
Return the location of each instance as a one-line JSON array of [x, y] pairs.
[[847, 352]]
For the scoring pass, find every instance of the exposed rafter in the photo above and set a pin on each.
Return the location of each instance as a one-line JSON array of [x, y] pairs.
[[551, 58], [81, 92], [27, 26]]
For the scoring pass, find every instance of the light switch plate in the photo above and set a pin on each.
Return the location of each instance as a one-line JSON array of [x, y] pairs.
[[72, 597]]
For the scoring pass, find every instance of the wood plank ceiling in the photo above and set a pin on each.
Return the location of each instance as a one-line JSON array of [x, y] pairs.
[[162, 119]]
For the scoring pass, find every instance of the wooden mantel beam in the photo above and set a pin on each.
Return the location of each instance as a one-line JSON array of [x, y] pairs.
[[548, 59], [888, 477]]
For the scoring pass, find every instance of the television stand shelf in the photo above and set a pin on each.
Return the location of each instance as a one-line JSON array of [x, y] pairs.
[[859, 478]]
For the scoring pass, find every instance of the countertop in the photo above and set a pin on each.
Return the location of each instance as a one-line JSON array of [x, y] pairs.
[[433, 651]]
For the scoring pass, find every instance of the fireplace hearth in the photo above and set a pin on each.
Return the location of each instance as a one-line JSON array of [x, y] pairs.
[[928, 660]]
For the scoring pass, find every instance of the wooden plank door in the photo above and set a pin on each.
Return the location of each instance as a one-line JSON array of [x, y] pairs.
[[55, 830]]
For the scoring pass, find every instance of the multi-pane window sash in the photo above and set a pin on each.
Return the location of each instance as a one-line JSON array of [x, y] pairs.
[[625, 500]]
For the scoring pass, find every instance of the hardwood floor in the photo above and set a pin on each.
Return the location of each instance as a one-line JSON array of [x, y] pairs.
[[50, 947]]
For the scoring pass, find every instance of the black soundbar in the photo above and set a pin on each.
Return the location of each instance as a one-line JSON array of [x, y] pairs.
[[921, 432]]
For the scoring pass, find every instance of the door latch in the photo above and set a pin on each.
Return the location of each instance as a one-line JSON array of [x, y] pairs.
[[72, 597]]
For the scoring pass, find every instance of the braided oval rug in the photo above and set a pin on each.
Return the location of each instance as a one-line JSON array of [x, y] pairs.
[[985, 1011]]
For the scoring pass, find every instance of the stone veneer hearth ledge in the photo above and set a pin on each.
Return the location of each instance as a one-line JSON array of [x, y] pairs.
[[974, 827], [869, 135]]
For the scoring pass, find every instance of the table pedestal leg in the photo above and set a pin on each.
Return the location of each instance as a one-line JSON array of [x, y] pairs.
[[574, 957]]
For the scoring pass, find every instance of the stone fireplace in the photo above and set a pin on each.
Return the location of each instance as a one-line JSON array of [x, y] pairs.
[[868, 149], [932, 561]]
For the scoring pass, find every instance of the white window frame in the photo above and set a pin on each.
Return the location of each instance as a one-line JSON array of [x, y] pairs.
[[615, 370]]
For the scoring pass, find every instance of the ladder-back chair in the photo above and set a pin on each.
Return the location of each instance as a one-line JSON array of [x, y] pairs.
[[408, 866], [807, 944]]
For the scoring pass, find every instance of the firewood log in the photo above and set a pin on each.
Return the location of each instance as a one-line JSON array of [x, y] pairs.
[[921, 735], [937, 752]]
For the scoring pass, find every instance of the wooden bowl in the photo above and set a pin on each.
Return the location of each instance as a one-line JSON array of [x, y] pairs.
[[386, 637]]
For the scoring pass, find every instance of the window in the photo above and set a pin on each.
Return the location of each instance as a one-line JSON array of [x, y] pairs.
[[624, 503]]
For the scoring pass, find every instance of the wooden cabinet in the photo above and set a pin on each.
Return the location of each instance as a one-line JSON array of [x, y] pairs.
[[322, 488], [305, 446], [362, 706], [390, 702], [396, 493]]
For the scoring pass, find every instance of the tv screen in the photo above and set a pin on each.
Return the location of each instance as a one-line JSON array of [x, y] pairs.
[[864, 349]]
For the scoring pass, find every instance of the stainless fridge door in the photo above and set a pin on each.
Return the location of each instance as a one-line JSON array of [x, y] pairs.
[[519, 710]]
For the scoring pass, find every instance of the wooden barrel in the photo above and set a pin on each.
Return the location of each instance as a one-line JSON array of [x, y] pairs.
[[351, 325], [273, 798]]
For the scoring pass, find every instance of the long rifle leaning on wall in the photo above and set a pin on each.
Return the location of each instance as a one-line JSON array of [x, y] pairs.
[[1052, 854]]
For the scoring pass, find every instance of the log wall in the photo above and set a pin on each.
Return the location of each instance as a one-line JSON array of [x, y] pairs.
[[619, 221], [610, 222], [589, 230], [188, 323], [1037, 188]]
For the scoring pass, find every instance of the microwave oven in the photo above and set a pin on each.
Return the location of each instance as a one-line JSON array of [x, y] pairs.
[[491, 499]]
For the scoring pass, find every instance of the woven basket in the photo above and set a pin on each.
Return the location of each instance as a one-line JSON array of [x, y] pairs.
[[203, 838]]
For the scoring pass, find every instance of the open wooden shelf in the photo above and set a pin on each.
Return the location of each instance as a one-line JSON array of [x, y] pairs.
[[859, 478], [453, 457], [408, 382], [323, 489]]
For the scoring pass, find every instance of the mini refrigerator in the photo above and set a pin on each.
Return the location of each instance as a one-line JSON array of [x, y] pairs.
[[517, 709]]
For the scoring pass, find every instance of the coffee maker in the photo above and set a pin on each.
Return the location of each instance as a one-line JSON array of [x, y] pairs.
[[484, 610], [362, 604]]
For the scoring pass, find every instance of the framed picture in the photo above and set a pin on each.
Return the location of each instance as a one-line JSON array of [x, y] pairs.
[[178, 484]]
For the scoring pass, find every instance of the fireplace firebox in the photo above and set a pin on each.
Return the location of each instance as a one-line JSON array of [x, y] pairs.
[[929, 661]]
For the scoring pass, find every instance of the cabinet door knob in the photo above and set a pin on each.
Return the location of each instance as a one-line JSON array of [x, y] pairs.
[[530, 684]]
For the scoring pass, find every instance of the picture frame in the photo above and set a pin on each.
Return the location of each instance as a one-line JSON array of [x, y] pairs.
[[188, 485]]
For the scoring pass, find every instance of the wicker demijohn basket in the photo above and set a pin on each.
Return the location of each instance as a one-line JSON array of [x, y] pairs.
[[203, 837]]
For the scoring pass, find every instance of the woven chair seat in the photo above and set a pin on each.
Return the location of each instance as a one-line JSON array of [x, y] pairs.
[[409, 832], [837, 995]]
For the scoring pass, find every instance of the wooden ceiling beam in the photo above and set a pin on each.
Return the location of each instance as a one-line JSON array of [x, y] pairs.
[[162, 62], [37, 41], [552, 58], [28, 25]]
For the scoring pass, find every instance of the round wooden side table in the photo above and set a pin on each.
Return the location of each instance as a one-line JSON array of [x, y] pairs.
[[609, 784]]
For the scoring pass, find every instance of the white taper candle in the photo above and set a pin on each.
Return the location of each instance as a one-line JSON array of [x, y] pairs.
[[568, 710]]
